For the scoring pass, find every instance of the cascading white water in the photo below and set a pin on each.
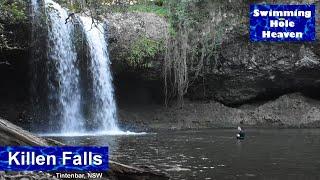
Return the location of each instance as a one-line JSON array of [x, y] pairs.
[[104, 110], [65, 88], [34, 6], [64, 75]]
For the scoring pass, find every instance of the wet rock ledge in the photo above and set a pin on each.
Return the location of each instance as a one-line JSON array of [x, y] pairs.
[[13, 135]]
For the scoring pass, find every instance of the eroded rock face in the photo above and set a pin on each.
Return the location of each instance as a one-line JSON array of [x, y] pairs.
[[128, 30], [125, 29], [247, 71]]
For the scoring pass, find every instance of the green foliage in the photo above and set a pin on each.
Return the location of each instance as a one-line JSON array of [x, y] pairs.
[[98, 8], [144, 50], [157, 7], [11, 12], [152, 8]]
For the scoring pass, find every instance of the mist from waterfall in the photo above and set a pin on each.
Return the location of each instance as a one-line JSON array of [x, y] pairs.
[[77, 109]]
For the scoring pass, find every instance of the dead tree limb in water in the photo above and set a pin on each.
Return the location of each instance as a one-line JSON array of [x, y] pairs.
[[71, 15]]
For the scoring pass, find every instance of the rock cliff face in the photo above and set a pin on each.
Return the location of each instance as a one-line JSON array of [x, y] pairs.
[[126, 30], [244, 71], [14, 61], [249, 71], [137, 73]]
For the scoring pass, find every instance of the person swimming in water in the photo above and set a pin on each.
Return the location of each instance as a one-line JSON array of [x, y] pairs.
[[240, 134]]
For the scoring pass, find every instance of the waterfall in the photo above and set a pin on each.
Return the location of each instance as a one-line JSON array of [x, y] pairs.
[[64, 76], [66, 98], [35, 6], [104, 106]]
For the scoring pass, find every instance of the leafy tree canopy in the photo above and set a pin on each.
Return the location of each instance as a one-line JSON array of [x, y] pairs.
[[11, 12]]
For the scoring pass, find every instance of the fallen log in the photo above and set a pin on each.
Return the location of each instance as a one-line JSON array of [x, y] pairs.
[[121, 171], [14, 136]]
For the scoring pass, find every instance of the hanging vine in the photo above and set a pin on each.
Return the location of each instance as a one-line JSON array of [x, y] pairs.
[[197, 29], [175, 64]]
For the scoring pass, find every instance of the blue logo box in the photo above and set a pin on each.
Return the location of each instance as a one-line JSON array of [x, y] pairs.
[[64, 158], [282, 22]]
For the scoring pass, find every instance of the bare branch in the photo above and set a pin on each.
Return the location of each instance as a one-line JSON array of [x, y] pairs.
[[71, 15]]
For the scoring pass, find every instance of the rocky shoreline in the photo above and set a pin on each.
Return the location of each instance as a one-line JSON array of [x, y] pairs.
[[287, 111]]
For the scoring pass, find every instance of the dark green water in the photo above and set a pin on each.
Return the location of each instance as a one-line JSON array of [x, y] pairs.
[[216, 154]]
